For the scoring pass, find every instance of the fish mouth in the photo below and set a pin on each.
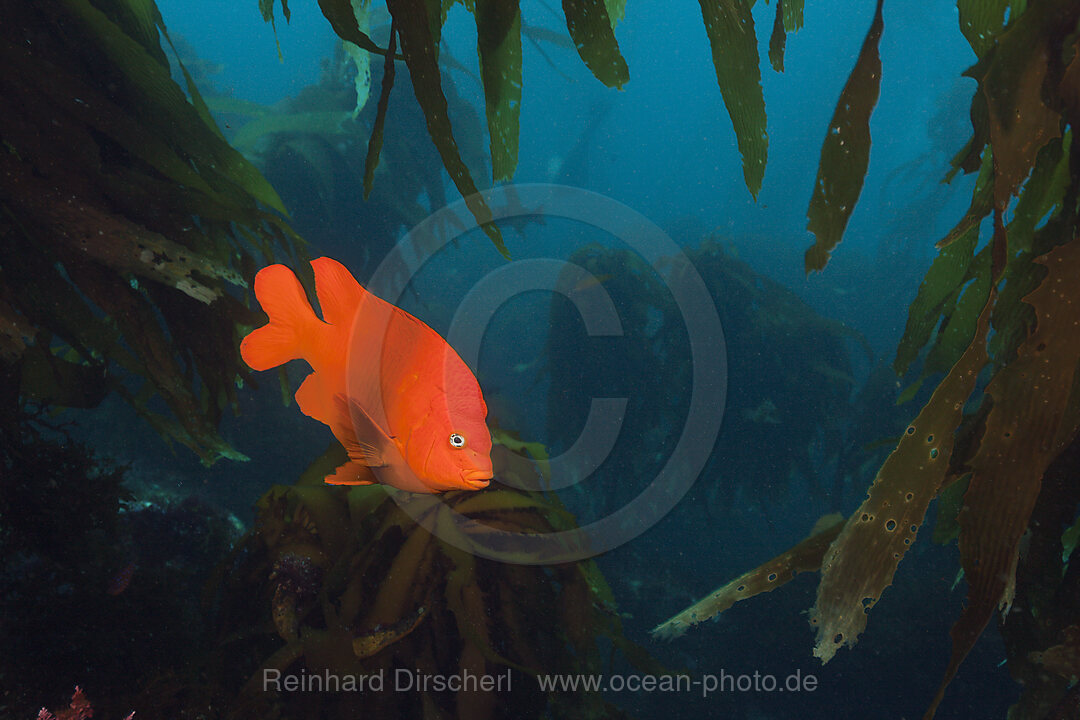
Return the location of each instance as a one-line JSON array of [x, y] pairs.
[[476, 479]]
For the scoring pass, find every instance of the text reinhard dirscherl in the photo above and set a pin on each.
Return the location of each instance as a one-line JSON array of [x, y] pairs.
[[410, 680]]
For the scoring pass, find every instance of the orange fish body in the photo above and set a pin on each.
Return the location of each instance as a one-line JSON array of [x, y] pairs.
[[405, 406]]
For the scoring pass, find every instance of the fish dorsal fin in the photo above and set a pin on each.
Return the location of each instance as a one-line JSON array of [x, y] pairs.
[[363, 439], [338, 292]]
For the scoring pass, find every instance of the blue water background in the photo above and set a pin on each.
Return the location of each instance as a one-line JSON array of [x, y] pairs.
[[664, 146]]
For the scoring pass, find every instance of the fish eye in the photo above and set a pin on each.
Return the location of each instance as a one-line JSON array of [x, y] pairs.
[[457, 440]]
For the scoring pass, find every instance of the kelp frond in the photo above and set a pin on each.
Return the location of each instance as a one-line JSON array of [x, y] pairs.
[[994, 464], [590, 27], [352, 583], [124, 216]]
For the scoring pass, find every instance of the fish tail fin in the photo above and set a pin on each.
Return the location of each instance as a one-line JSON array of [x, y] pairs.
[[292, 325], [338, 292]]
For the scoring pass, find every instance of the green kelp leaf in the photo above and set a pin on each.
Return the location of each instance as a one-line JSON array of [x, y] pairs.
[[982, 20], [340, 15], [1042, 193], [793, 14], [861, 563], [327, 123], [1027, 427], [266, 8], [420, 49], [951, 499], [845, 153], [730, 27], [959, 327], [371, 160], [48, 379], [1013, 317], [159, 95], [948, 271], [982, 202], [778, 39], [616, 10], [804, 557], [590, 28], [139, 19], [498, 32]]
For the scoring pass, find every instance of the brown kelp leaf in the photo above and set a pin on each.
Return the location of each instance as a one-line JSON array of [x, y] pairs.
[[1063, 658], [1024, 433], [591, 30], [861, 563], [419, 45], [778, 39], [804, 557], [371, 160], [466, 600], [845, 154], [375, 640], [478, 702], [405, 582], [730, 27], [1020, 121], [498, 41], [115, 241]]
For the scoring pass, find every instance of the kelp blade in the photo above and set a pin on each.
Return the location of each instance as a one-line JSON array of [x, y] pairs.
[[804, 557], [419, 45], [730, 27], [498, 31], [1032, 418], [861, 563], [845, 155]]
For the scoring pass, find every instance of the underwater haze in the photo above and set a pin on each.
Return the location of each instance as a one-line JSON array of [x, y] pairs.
[[387, 358]]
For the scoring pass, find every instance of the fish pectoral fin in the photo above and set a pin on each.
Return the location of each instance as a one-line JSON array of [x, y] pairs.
[[350, 474], [353, 417], [362, 453]]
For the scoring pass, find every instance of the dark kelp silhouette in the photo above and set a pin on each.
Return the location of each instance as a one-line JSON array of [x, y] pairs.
[[346, 582], [126, 216]]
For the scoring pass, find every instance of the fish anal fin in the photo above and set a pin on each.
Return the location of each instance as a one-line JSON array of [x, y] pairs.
[[350, 474]]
